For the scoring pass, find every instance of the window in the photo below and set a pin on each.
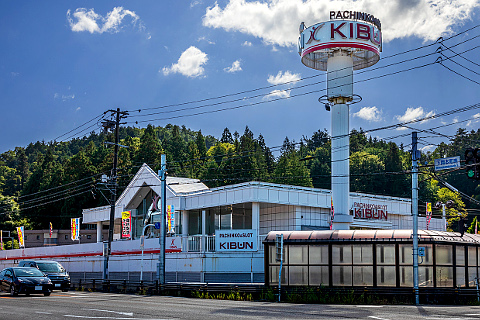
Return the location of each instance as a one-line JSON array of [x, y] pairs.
[[89, 236], [38, 237], [66, 237]]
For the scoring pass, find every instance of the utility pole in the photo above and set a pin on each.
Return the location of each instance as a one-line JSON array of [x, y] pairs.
[[163, 225], [415, 157], [113, 183]]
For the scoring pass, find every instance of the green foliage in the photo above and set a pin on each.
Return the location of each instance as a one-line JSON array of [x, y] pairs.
[[52, 182]]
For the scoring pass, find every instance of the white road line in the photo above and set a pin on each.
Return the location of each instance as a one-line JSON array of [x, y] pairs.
[[117, 312], [42, 312], [370, 306], [115, 318], [373, 317]]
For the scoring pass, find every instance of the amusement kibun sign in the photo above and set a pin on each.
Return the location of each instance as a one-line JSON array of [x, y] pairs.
[[369, 211], [355, 32]]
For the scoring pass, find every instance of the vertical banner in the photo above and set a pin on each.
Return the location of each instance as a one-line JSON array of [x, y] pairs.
[[20, 234], [170, 219], [51, 230], [75, 225], [332, 213], [428, 214], [1, 240], [126, 224]]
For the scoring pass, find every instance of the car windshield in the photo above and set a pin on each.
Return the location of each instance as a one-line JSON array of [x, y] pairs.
[[50, 267], [28, 272]]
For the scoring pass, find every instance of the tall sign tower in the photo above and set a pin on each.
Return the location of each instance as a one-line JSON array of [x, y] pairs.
[[350, 41]]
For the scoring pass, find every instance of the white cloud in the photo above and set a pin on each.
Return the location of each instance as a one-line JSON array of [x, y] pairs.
[[284, 78], [414, 114], [189, 64], [247, 44], [78, 109], [476, 116], [277, 94], [276, 21], [205, 39], [369, 114], [195, 3], [428, 148], [234, 68], [63, 97], [88, 20]]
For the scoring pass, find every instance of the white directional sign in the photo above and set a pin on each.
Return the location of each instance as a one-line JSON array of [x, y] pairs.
[[447, 163]]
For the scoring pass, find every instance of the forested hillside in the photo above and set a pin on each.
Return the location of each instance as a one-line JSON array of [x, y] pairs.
[[52, 182]]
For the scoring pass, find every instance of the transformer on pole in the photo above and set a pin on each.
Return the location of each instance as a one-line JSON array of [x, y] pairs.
[[339, 47]]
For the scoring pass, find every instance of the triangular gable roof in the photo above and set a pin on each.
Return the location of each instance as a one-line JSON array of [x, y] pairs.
[[146, 177]]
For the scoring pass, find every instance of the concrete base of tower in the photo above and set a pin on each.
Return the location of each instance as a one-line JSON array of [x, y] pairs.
[[342, 221]]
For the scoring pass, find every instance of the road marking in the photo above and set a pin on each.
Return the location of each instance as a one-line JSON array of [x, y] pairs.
[[115, 318], [373, 317], [370, 306], [117, 312], [43, 312]]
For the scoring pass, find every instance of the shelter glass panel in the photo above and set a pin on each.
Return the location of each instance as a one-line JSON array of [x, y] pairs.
[[405, 254], [428, 258], [444, 255], [406, 276], [385, 254], [298, 254], [272, 255], [461, 277], [425, 276], [274, 275], [298, 275], [342, 275], [472, 256], [342, 254], [386, 276], [363, 275], [460, 255], [444, 276], [472, 274], [318, 254], [363, 254], [318, 275]]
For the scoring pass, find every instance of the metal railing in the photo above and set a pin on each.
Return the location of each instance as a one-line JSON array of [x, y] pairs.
[[200, 243]]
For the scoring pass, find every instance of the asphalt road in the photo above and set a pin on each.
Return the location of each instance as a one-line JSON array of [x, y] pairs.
[[87, 305]]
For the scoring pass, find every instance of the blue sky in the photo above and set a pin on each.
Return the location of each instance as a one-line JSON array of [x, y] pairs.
[[63, 63]]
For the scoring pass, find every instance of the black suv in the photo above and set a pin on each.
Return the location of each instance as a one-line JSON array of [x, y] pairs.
[[54, 270]]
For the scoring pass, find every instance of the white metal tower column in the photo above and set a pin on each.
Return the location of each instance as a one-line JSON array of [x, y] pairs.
[[339, 92]]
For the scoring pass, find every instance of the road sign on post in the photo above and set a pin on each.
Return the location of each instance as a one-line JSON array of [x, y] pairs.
[[447, 163]]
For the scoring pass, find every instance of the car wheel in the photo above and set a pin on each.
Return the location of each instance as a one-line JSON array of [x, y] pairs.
[[13, 293], [46, 294]]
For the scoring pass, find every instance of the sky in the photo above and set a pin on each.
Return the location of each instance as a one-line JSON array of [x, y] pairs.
[[209, 65]]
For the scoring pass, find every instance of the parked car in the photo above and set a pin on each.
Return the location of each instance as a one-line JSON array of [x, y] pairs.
[[17, 280], [54, 270]]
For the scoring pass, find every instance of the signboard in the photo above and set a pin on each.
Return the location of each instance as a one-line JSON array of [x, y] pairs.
[[173, 244], [236, 240], [126, 224], [75, 227], [447, 163], [364, 38], [370, 211]]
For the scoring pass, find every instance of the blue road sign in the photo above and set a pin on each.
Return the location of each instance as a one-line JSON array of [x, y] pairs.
[[157, 225]]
